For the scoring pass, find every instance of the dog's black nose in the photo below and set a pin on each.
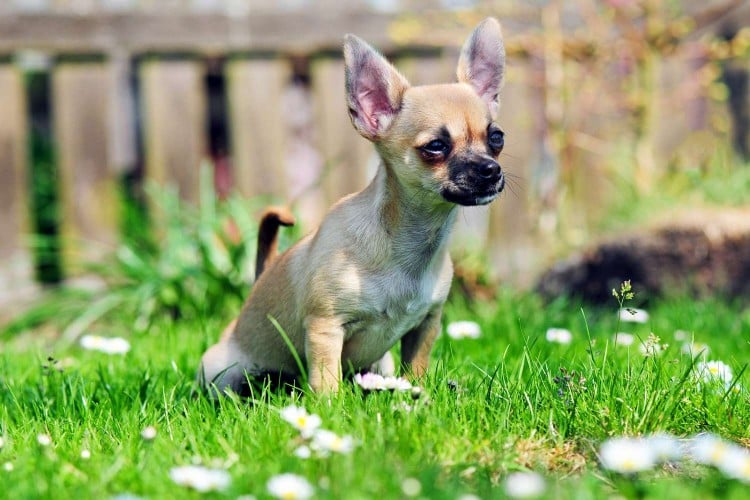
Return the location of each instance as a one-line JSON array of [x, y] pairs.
[[488, 170]]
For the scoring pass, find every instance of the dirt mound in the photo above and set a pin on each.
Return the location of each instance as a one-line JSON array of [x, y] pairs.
[[697, 252]]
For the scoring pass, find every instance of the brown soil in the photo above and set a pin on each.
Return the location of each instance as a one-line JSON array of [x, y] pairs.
[[697, 252]]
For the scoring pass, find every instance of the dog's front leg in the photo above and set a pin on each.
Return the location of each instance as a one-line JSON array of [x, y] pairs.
[[323, 344], [416, 345]]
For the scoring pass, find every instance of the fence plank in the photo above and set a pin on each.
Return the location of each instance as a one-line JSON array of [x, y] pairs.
[[89, 199], [15, 259], [206, 32], [428, 68], [174, 111], [123, 153], [348, 162], [258, 131]]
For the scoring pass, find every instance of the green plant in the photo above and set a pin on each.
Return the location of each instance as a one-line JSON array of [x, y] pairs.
[[197, 261], [186, 262]]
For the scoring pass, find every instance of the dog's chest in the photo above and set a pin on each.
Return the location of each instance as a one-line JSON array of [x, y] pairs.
[[397, 315], [388, 308]]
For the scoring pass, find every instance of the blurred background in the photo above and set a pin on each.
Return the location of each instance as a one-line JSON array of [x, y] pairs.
[[127, 117]]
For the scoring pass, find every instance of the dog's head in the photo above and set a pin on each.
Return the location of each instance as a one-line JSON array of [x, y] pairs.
[[439, 138]]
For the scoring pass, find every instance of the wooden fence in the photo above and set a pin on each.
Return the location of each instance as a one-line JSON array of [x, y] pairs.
[[129, 88]]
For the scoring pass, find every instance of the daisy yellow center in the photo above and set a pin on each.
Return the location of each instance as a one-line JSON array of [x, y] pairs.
[[628, 464], [714, 370], [301, 421], [289, 495], [718, 452]]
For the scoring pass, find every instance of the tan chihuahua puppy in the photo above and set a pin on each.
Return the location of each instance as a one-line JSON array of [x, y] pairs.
[[377, 270]]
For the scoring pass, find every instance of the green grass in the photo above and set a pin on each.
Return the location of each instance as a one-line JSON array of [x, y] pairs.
[[492, 406]]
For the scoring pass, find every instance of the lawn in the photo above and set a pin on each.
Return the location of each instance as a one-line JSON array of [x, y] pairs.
[[80, 423]]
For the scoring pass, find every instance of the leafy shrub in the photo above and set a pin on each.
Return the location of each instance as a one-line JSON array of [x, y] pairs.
[[186, 262], [199, 259]]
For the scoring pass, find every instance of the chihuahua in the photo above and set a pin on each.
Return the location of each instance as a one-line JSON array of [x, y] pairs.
[[377, 270]]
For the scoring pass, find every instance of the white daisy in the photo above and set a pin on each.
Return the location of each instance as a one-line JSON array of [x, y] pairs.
[[290, 487], [397, 384], [633, 315], [709, 449], [411, 487], [107, 345], [324, 441], [85, 454], [8, 466], [713, 371], [666, 447], [200, 478], [303, 452], [626, 455], [695, 349], [304, 422], [43, 439], [559, 335], [376, 382], [464, 330], [736, 463], [148, 433], [524, 485], [117, 345], [624, 339], [681, 335], [92, 342], [370, 381]]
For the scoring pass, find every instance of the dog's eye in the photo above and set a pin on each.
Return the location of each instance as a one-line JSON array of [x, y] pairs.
[[496, 139], [436, 147]]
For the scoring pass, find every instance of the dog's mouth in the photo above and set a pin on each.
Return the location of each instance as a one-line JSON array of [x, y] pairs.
[[473, 179], [472, 197]]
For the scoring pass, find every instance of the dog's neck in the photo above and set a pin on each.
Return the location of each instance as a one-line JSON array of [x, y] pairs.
[[418, 224]]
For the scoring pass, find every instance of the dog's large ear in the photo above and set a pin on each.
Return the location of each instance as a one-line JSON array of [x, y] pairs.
[[482, 62], [374, 88]]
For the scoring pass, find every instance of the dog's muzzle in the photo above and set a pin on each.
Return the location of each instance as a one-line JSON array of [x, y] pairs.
[[472, 183]]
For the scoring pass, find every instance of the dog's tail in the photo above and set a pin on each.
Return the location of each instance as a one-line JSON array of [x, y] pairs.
[[268, 233]]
